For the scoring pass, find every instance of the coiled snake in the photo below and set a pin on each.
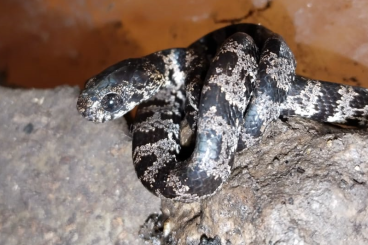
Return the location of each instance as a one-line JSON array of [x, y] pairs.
[[230, 83]]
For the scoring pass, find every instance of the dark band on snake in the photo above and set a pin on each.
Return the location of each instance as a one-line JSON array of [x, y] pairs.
[[228, 86]]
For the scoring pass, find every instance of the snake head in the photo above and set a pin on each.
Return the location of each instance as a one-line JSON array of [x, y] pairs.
[[118, 89]]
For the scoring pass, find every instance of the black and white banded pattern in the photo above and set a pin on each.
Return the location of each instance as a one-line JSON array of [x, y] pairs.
[[227, 86]]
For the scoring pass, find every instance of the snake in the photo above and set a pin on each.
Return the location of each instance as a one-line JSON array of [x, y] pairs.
[[226, 88]]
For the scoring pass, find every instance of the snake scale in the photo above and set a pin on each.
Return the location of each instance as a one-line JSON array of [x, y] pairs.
[[227, 86]]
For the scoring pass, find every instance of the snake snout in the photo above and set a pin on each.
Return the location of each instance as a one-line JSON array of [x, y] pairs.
[[85, 109]]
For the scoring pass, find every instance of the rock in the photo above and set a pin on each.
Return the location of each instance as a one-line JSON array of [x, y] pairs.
[[305, 183], [64, 180]]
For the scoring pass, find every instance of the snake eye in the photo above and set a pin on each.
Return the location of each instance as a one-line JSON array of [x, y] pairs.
[[111, 102]]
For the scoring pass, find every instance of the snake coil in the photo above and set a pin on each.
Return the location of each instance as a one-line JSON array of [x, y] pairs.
[[228, 86]]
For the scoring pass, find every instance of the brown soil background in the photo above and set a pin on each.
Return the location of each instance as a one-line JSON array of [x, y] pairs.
[[45, 43]]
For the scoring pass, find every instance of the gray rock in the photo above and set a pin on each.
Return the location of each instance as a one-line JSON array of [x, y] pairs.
[[305, 183], [64, 180]]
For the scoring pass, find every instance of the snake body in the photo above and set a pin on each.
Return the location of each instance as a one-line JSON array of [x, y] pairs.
[[228, 86]]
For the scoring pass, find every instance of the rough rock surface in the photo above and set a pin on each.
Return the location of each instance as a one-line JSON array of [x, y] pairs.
[[64, 180], [306, 183]]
